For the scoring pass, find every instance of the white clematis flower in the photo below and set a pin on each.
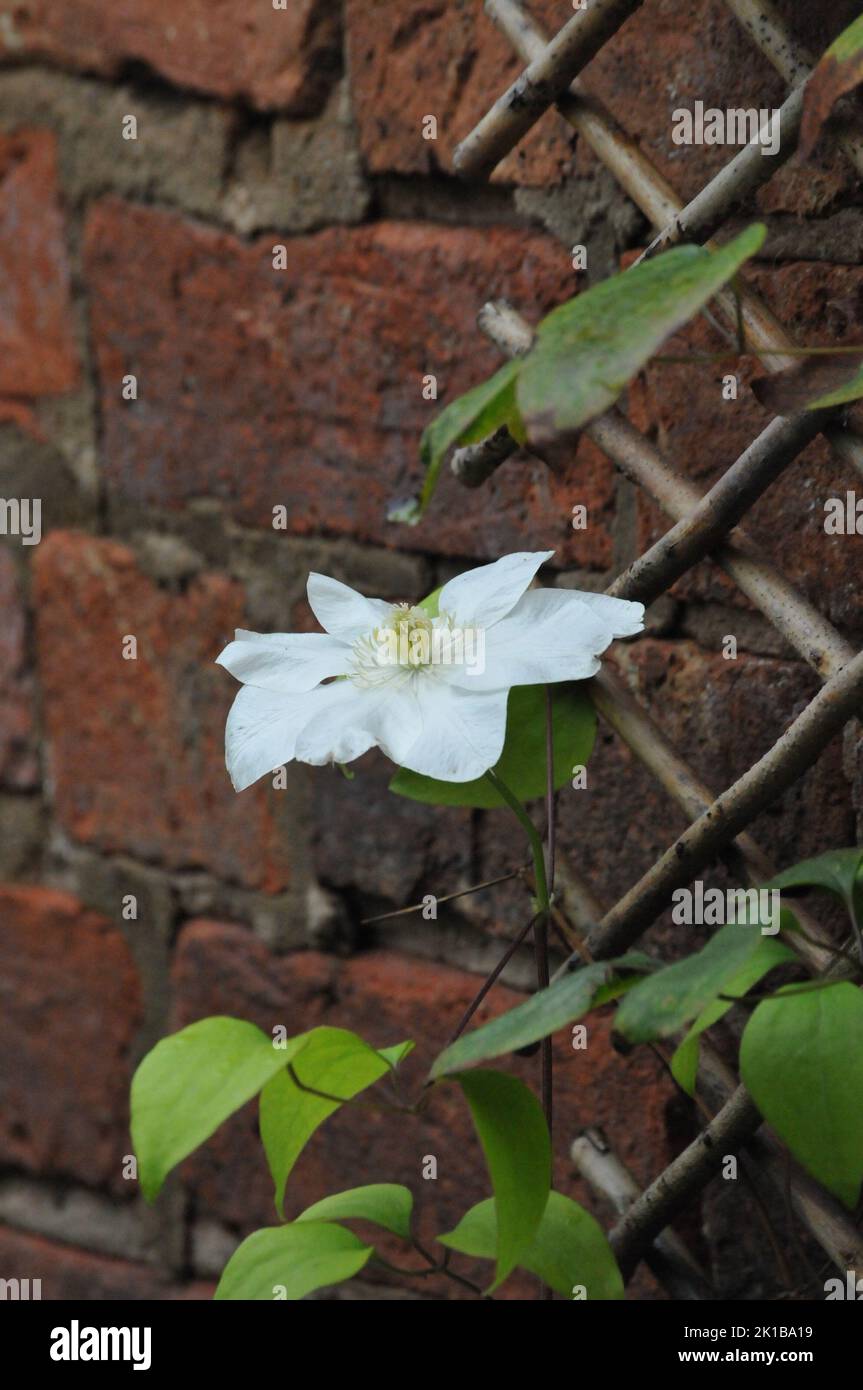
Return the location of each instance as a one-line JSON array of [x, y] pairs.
[[430, 692]]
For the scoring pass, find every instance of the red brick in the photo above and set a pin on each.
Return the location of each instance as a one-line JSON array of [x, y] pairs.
[[681, 405], [67, 1273], [282, 59], [386, 998], [137, 747], [672, 53], [71, 1008], [411, 60], [721, 716], [37, 349], [19, 766], [303, 387]]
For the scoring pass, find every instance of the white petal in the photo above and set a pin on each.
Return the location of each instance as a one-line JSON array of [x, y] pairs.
[[341, 611], [263, 727], [463, 731], [623, 617], [549, 636], [483, 596], [285, 661], [386, 717]]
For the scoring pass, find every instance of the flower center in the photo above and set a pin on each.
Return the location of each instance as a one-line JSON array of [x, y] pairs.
[[408, 642]]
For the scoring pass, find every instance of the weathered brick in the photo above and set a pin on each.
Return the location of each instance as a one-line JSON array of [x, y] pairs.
[[380, 844], [681, 405], [71, 1007], [301, 174], [302, 387], [37, 348], [672, 53], [721, 716], [19, 767], [281, 58], [178, 154], [384, 997], [447, 60], [68, 1273], [136, 746]]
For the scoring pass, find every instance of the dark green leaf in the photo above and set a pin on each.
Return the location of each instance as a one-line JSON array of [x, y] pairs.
[[838, 870], [666, 1001], [514, 1137], [465, 421], [522, 763], [587, 350], [387, 1204], [569, 1250], [801, 1058], [543, 1013], [333, 1061], [815, 383], [684, 1063], [288, 1262], [190, 1083]]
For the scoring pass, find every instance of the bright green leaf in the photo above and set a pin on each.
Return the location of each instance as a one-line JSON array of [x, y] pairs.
[[387, 1204], [517, 1148], [190, 1083], [666, 1001], [522, 763], [333, 1061], [543, 1013], [801, 1058], [587, 350], [684, 1063], [466, 420], [288, 1262], [569, 1249]]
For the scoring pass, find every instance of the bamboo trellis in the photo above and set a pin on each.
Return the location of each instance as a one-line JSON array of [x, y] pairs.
[[706, 526]]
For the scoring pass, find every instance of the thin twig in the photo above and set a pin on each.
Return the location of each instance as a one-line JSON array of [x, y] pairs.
[[490, 979], [450, 897]]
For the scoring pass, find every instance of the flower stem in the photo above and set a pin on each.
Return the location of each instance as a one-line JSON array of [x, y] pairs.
[[540, 929], [512, 801]]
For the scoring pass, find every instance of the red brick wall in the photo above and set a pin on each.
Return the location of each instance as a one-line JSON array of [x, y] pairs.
[[302, 388]]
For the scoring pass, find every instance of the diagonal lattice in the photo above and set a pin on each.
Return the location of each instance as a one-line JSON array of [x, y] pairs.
[[706, 526]]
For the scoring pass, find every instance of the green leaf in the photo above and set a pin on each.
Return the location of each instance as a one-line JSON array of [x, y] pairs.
[[666, 1001], [850, 390], [522, 763], [466, 420], [517, 1148], [587, 350], [568, 1250], [684, 1063], [332, 1060], [838, 870], [288, 1262], [388, 1204], [801, 1058], [840, 70], [190, 1083], [814, 383], [543, 1013]]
